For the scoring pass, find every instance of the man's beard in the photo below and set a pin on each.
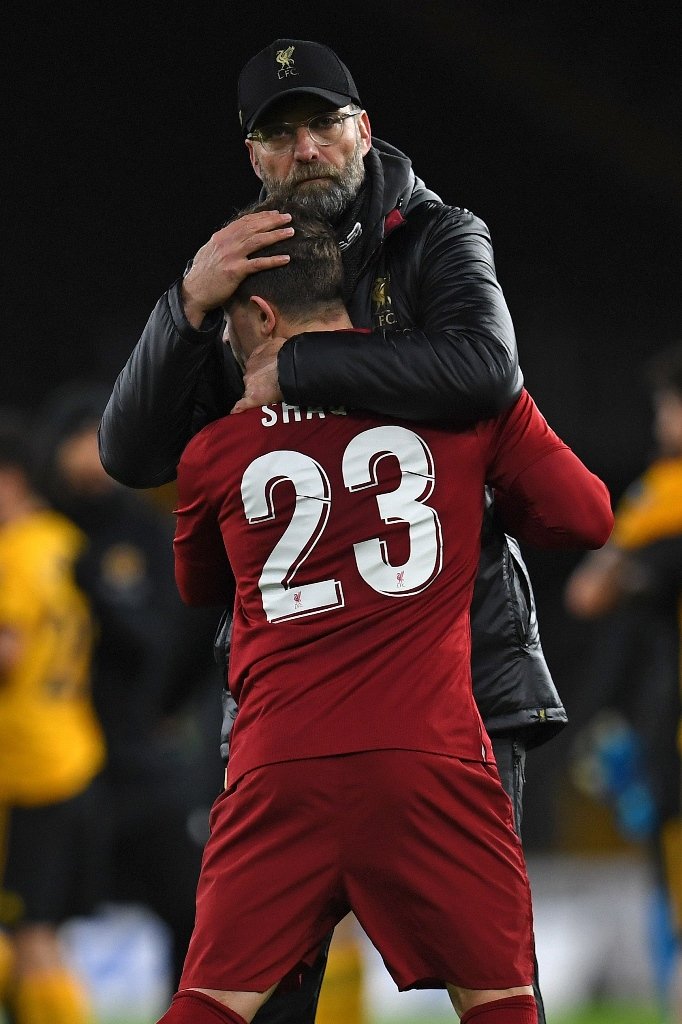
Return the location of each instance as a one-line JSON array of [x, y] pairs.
[[329, 201]]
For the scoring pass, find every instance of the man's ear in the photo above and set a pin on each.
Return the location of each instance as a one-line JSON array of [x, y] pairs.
[[267, 317], [365, 129], [253, 158]]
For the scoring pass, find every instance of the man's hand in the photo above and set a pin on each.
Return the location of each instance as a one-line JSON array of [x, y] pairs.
[[261, 383], [223, 262], [595, 587]]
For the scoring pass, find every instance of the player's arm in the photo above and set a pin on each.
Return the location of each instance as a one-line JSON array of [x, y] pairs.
[[606, 579], [459, 366], [544, 494], [597, 585], [655, 570], [202, 571]]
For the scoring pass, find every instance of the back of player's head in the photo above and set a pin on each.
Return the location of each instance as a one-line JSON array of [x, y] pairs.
[[311, 283]]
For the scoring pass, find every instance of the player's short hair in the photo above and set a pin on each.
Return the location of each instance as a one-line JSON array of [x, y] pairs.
[[312, 281], [664, 370]]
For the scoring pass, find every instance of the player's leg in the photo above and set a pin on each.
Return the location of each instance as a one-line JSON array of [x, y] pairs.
[[343, 991], [510, 755], [6, 965], [511, 1006], [190, 1006], [300, 1005], [45, 990], [519, 1005], [450, 901], [267, 898], [194, 1006], [163, 872], [37, 883], [289, 1007]]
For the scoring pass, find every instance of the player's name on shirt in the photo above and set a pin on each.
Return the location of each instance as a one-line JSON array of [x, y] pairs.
[[285, 413]]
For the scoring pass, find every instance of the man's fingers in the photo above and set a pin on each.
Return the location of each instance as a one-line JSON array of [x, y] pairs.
[[257, 224], [264, 218], [265, 263], [258, 240], [224, 261]]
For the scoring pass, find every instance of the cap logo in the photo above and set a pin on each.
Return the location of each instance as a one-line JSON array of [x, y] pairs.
[[286, 61]]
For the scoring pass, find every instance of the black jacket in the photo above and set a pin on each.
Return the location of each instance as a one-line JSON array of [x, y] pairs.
[[441, 347]]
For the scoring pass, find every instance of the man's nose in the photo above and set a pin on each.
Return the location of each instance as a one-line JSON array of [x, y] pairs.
[[305, 149]]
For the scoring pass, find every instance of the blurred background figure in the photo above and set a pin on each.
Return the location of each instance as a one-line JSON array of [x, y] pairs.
[[630, 755], [51, 746], [153, 673], [343, 996]]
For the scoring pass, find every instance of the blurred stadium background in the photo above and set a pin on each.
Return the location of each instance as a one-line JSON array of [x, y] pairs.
[[558, 124]]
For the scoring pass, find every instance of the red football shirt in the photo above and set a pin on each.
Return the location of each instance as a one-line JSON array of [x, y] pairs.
[[354, 543]]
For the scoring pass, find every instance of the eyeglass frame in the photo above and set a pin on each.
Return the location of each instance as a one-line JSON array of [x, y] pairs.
[[256, 136]]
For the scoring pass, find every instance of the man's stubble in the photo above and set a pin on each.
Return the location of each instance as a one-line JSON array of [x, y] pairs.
[[330, 199]]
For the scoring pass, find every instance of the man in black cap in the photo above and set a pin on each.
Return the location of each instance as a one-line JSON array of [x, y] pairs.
[[439, 345]]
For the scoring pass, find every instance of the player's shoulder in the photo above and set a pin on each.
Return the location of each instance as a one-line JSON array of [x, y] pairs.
[[209, 436]]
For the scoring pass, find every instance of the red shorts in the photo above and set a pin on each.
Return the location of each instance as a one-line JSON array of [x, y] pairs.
[[420, 846]]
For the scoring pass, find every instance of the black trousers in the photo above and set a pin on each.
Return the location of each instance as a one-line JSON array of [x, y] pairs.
[[300, 1007], [510, 754]]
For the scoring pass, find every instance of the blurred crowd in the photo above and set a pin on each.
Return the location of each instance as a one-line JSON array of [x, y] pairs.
[[628, 755]]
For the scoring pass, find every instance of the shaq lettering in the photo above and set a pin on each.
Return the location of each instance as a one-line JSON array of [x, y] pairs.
[[285, 413]]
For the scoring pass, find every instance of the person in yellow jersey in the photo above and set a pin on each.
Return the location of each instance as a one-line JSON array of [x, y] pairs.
[[51, 746], [638, 574], [344, 990]]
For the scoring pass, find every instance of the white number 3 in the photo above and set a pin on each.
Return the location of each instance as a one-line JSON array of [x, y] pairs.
[[406, 504]]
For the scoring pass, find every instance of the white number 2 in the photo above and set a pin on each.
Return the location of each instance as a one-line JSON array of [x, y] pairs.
[[405, 504]]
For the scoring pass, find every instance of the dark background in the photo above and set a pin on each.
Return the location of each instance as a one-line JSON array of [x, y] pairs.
[[557, 123]]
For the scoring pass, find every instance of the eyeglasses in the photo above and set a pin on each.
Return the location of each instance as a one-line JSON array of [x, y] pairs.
[[324, 129]]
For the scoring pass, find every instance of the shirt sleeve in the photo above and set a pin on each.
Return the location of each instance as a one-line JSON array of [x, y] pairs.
[[202, 570], [544, 494]]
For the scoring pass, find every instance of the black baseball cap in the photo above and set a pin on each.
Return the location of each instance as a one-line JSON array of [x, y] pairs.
[[287, 67]]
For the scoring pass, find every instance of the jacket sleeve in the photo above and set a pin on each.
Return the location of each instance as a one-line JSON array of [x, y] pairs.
[[458, 361], [544, 494], [176, 380]]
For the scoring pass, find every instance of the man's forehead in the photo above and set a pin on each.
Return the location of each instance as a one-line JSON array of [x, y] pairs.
[[294, 108]]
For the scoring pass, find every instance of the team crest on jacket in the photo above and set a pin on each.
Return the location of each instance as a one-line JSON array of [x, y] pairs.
[[382, 312], [286, 62]]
